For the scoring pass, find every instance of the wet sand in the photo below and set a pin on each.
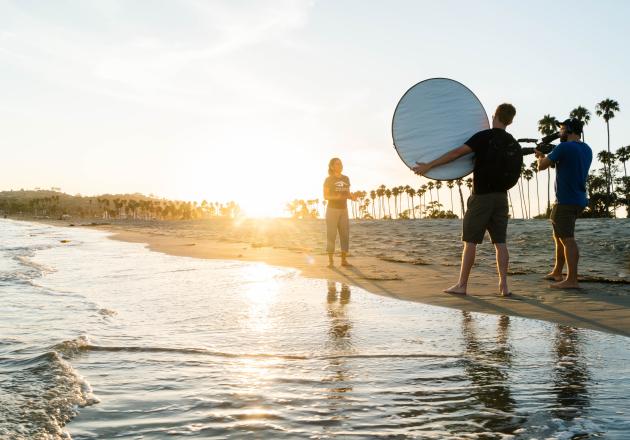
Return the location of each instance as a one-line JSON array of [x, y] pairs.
[[593, 306]]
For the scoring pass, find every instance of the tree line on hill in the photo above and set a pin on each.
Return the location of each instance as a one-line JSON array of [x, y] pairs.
[[54, 204]]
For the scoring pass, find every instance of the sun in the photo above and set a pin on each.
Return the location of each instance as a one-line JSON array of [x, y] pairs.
[[257, 208]]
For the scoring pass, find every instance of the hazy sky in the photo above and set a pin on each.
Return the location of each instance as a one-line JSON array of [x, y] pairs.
[[247, 100]]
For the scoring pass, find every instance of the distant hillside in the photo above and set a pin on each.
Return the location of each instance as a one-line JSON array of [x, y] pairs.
[[55, 204]]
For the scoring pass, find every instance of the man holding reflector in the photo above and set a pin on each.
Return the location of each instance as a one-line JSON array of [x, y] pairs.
[[497, 164]]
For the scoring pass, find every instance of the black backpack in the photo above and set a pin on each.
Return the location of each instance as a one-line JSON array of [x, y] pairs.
[[504, 159]]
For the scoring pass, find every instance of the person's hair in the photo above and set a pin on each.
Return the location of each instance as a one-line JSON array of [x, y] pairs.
[[505, 112], [330, 165]]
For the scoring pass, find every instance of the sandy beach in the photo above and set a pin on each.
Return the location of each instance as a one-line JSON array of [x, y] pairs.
[[382, 266]]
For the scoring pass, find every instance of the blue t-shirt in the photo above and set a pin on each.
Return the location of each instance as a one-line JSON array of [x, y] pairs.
[[573, 160]]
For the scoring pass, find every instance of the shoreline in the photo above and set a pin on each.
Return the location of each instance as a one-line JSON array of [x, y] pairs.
[[586, 308]]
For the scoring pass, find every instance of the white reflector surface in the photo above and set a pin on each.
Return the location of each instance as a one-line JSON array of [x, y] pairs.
[[432, 118]]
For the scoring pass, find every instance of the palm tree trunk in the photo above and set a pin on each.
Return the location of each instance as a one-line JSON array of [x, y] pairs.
[[548, 192], [424, 203], [520, 195], [608, 178], [537, 194], [529, 201], [461, 199]]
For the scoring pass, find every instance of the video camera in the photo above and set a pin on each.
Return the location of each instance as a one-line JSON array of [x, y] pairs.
[[544, 146]]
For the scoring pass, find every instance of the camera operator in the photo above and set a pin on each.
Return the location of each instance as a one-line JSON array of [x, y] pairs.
[[572, 159]]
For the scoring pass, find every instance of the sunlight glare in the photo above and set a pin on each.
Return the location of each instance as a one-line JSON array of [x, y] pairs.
[[261, 292]]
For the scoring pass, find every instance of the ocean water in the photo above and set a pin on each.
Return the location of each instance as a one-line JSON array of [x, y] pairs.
[[104, 339]]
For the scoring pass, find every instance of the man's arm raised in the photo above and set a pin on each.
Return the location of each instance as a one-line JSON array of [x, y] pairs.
[[422, 168], [543, 161]]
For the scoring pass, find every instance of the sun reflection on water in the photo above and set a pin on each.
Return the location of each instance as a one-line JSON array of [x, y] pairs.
[[261, 290]]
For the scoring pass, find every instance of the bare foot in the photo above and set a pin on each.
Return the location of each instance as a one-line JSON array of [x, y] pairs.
[[566, 284], [457, 289], [553, 277], [345, 263], [504, 291], [331, 264]]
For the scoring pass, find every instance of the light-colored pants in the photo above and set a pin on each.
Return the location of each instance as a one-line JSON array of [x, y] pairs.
[[337, 220]]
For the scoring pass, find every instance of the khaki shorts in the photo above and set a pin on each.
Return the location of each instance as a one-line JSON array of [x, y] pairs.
[[563, 219], [486, 212]]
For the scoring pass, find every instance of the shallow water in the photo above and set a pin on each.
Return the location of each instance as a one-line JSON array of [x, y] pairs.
[[103, 339]]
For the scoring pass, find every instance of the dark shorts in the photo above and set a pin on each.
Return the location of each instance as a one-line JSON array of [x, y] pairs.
[[486, 212], [563, 219]]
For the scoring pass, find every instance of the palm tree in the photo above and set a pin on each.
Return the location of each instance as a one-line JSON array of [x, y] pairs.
[[469, 184], [459, 183], [534, 167], [430, 186], [581, 114], [450, 185], [395, 192], [438, 185], [546, 126], [380, 192], [607, 159], [521, 192], [405, 190], [528, 174], [366, 207], [388, 194], [412, 193], [423, 189], [422, 193], [606, 109], [623, 154], [373, 197], [365, 201]]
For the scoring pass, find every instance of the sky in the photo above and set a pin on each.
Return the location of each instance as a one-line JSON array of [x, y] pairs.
[[248, 100]]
